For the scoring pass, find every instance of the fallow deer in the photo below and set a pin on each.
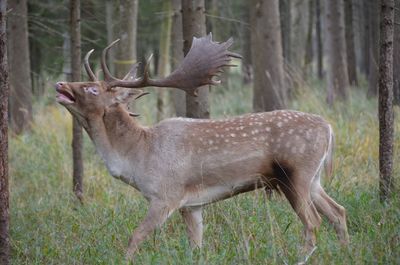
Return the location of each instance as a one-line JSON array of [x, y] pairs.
[[184, 164]]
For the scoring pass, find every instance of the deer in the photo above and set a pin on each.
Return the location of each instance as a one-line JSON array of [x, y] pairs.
[[183, 164]]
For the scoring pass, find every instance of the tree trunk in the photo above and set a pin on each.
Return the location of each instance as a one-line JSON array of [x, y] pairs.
[[365, 62], [126, 53], [349, 32], [308, 57], [299, 33], [269, 89], [318, 26], [396, 54], [110, 25], [164, 45], [77, 134], [4, 93], [247, 69], [386, 99], [374, 48], [336, 49], [20, 73], [179, 96], [286, 20], [194, 24]]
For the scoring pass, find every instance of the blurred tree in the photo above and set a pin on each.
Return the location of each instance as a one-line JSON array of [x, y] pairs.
[[308, 56], [396, 53], [286, 19], [77, 134], [247, 69], [299, 33], [164, 47], [373, 47], [386, 99], [20, 75], [126, 53], [179, 96], [4, 90], [194, 25], [269, 89], [318, 32], [336, 51], [349, 33], [365, 16], [110, 25]]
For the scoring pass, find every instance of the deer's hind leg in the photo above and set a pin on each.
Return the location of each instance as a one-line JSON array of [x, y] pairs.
[[296, 187], [335, 213], [194, 225]]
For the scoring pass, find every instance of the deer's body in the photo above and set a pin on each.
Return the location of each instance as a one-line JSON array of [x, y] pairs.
[[200, 161], [183, 164]]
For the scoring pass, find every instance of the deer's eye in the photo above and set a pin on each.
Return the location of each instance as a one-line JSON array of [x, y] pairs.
[[91, 90]]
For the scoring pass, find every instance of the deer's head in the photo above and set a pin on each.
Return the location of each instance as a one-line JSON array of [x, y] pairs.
[[84, 99]]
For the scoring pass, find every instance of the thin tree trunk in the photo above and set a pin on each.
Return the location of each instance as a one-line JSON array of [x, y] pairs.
[[177, 55], [351, 55], [126, 54], [374, 48], [77, 134], [247, 69], [20, 73], [163, 63], [336, 48], [110, 33], [269, 89], [365, 63], [4, 93], [386, 99], [396, 54], [286, 20], [308, 57], [194, 24], [318, 26]]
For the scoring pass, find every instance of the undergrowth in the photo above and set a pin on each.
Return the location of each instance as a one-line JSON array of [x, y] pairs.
[[49, 226]]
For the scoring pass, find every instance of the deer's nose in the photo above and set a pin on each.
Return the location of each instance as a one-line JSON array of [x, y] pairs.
[[59, 85]]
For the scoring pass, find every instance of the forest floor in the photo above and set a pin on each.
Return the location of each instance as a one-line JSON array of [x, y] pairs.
[[49, 226]]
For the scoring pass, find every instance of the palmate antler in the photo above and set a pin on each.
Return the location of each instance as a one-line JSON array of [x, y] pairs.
[[203, 61]]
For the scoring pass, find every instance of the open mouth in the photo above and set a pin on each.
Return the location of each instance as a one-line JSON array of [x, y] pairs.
[[64, 96]]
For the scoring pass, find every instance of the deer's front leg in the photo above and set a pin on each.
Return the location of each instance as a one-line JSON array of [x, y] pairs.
[[194, 225], [156, 216]]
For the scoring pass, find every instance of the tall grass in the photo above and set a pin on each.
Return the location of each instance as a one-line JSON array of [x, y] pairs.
[[49, 226]]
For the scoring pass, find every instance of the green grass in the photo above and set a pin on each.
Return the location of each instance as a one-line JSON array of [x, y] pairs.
[[49, 226]]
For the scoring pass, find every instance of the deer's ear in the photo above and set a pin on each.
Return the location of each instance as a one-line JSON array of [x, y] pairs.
[[124, 95]]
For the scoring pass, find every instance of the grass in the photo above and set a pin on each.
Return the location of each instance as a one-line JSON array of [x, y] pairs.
[[48, 226]]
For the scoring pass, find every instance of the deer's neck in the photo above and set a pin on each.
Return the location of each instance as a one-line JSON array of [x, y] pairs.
[[116, 134]]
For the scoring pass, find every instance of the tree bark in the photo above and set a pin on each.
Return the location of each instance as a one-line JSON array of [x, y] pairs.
[[194, 25], [336, 49], [20, 73], [308, 57], [349, 33], [396, 54], [179, 96], [386, 99], [110, 25], [247, 69], [126, 53], [164, 47], [4, 93], [373, 48], [299, 33], [286, 20], [77, 134], [269, 89], [318, 32]]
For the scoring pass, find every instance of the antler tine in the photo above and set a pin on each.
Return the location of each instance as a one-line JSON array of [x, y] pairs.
[[89, 71], [107, 75]]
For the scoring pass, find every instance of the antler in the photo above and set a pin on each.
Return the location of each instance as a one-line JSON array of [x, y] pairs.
[[203, 61]]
